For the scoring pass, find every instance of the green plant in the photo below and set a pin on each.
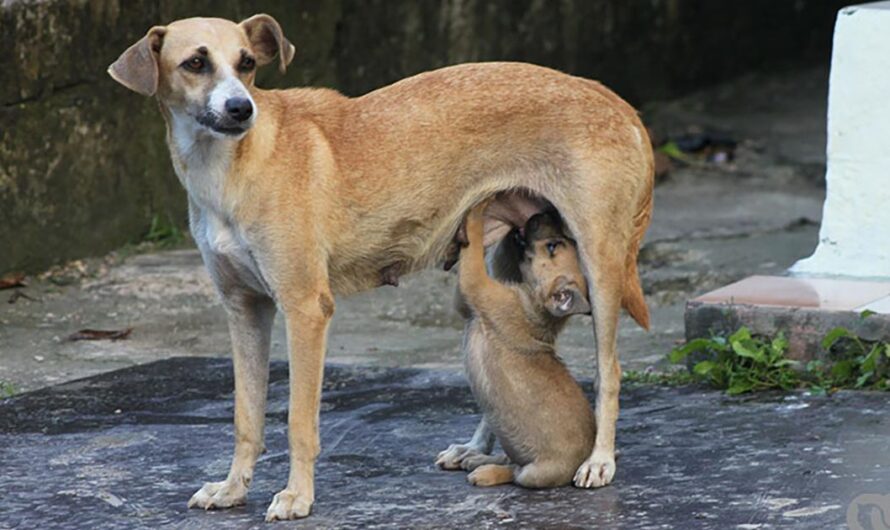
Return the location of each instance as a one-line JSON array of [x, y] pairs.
[[744, 363], [646, 377], [856, 363], [164, 232], [7, 389], [741, 362]]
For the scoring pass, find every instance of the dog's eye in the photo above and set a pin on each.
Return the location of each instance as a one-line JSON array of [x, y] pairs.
[[247, 64], [195, 64]]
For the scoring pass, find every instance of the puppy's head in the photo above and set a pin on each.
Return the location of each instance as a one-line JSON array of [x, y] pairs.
[[203, 68], [550, 265]]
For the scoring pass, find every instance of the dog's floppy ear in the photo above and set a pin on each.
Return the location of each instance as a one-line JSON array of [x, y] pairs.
[[267, 39], [137, 68], [567, 299]]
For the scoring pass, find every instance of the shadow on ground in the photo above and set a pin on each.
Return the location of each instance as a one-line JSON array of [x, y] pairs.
[[127, 448]]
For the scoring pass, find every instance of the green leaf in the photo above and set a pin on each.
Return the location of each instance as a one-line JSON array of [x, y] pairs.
[[779, 344], [843, 370], [672, 150], [739, 387], [870, 362], [860, 382], [677, 355], [819, 390], [834, 335], [743, 333], [866, 313], [748, 348], [815, 366], [704, 367], [786, 362]]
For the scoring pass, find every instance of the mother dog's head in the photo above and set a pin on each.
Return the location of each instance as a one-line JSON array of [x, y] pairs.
[[202, 68]]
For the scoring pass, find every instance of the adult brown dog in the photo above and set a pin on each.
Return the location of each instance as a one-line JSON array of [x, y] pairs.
[[297, 195]]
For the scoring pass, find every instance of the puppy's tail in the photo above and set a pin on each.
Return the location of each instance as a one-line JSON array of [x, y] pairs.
[[632, 299]]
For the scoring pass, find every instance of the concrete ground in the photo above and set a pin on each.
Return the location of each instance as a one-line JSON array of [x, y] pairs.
[[713, 224], [127, 449]]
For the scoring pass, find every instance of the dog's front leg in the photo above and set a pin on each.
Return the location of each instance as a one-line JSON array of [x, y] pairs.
[[307, 317], [250, 319]]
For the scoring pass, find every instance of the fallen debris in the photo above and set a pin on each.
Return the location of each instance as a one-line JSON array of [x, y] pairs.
[[99, 334], [18, 293], [12, 280]]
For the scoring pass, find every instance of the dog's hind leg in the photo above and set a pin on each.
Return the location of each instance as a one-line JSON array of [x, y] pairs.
[[602, 226], [250, 319]]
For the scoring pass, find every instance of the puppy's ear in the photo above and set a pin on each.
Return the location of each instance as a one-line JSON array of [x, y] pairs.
[[267, 39], [137, 68], [566, 299]]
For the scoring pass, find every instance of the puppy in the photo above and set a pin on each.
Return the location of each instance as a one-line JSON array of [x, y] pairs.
[[529, 400]]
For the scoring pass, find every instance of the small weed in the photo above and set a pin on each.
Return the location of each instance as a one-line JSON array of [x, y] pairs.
[[7, 389], [740, 363], [164, 232], [744, 363], [646, 377], [856, 363]]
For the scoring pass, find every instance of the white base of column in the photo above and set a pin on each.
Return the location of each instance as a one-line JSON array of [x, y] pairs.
[[854, 239]]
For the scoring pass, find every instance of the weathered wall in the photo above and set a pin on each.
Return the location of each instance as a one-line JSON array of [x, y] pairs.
[[83, 167]]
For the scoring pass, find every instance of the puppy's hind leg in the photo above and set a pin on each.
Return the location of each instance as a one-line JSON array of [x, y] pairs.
[[480, 445], [250, 326], [543, 474], [491, 475]]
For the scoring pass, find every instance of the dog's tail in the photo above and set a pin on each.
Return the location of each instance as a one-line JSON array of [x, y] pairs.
[[632, 299]]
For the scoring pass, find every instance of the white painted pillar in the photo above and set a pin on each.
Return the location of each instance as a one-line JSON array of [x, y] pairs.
[[854, 239]]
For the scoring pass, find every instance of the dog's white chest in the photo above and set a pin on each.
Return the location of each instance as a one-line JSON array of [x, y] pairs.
[[227, 253]]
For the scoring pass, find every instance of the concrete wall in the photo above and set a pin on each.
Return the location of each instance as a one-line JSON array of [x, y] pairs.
[[83, 167]]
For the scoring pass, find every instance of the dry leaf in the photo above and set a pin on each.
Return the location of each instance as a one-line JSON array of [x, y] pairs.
[[99, 334], [13, 279]]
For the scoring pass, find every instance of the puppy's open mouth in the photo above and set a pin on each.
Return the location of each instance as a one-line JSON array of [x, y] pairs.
[[213, 123]]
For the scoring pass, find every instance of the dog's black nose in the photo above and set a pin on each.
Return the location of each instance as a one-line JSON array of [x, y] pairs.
[[239, 109]]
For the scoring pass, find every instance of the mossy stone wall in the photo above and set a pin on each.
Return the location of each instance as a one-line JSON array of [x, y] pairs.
[[83, 165]]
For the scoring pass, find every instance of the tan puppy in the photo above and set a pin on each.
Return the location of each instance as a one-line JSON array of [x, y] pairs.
[[295, 195], [528, 398]]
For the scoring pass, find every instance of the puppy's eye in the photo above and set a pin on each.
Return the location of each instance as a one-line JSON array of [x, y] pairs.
[[247, 64], [195, 64], [552, 245]]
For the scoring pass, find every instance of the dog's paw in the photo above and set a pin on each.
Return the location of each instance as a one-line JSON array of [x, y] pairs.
[[453, 457], [217, 495], [596, 472], [288, 504]]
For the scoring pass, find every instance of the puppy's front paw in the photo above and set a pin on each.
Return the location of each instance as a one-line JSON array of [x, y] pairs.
[[597, 471], [217, 495], [288, 504], [453, 457]]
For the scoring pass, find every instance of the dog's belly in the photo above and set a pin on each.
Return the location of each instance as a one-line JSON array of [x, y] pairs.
[[414, 243]]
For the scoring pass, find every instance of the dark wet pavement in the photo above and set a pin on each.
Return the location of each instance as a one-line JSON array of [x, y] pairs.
[[127, 449]]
